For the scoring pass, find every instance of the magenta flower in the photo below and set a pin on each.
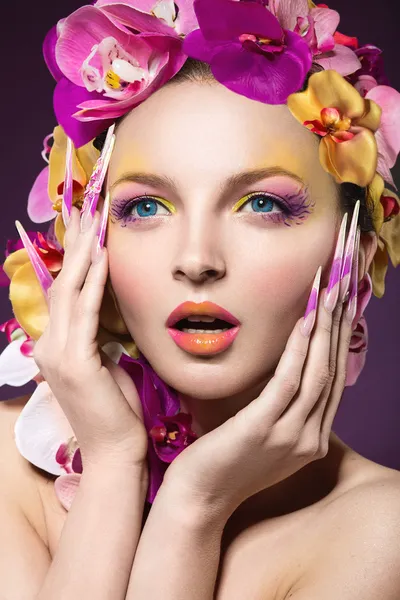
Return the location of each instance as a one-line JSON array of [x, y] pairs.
[[248, 50], [104, 67], [171, 435], [372, 72]]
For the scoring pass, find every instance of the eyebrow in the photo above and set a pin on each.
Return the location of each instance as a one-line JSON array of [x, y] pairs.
[[245, 178]]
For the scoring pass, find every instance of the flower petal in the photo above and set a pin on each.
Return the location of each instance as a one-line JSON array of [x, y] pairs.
[[139, 15], [156, 397], [82, 30], [49, 53], [340, 59], [326, 23], [258, 78], [41, 428], [15, 368], [353, 161], [287, 11], [114, 350], [67, 98], [27, 299], [65, 488], [378, 269], [224, 20], [40, 207], [134, 17], [389, 140]]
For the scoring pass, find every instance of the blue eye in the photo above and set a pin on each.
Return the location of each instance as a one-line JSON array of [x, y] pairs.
[[145, 208], [260, 203]]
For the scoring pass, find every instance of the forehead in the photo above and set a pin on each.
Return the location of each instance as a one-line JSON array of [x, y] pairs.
[[194, 131]]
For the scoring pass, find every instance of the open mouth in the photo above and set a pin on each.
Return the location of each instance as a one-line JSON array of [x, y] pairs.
[[215, 326]]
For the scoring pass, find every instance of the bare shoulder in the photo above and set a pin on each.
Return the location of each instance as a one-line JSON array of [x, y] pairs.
[[358, 551], [19, 478]]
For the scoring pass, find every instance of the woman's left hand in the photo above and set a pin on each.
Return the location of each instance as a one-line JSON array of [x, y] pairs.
[[286, 427]]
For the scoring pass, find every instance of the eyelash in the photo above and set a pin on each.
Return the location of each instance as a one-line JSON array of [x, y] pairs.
[[121, 209]]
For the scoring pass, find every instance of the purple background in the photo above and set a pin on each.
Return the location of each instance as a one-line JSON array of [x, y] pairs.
[[368, 416]]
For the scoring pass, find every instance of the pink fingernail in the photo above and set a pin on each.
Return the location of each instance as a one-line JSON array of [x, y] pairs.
[[68, 185], [104, 220], [93, 188], [311, 310], [351, 308], [332, 292], [348, 255], [42, 273]]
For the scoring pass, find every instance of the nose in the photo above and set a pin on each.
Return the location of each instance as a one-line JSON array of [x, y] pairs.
[[199, 255]]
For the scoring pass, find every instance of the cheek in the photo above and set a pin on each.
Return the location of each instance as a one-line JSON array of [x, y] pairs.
[[133, 276]]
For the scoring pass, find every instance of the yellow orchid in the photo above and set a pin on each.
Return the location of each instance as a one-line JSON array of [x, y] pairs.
[[383, 205], [347, 122]]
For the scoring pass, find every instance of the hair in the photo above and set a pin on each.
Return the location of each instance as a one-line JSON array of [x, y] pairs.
[[197, 71]]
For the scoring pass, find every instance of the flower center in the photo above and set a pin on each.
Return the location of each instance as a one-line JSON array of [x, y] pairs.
[[333, 121]]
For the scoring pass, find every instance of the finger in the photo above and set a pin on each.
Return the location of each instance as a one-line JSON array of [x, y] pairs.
[[317, 411], [343, 350], [337, 329], [316, 374], [64, 292], [85, 323]]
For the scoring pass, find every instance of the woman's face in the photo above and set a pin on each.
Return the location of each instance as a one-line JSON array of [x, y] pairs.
[[256, 258]]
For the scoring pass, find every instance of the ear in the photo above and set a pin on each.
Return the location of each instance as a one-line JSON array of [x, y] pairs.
[[368, 247]]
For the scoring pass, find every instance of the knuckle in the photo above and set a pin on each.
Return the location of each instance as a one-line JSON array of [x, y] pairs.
[[332, 367], [323, 448], [308, 448], [322, 377], [289, 385], [327, 327], [337, 315]]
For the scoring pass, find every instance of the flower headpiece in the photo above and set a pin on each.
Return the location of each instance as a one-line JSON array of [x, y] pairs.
[[107, 58]]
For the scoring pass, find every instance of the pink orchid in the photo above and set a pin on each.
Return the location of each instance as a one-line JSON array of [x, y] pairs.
[[108, 68], [40, 207], [388, 134], [157, 16], [317, 26]]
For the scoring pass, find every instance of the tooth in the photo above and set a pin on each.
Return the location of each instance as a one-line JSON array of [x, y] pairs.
[[203, 330]]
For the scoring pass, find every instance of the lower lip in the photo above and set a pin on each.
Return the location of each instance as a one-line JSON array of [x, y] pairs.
[[203, 343]]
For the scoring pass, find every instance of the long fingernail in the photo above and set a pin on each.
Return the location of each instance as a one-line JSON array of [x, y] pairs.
[[42, 273], [332, 292], [348, 255], [93, 188], [311, 310], [68, 185], [351, 308], [104, 220]]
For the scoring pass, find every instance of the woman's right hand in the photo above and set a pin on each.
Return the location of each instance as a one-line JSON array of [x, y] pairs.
[[98, 397]]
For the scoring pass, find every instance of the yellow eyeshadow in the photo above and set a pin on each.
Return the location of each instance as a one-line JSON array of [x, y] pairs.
[[240, 202], [167, 204]]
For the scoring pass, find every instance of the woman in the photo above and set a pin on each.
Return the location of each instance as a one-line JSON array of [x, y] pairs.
[[227, 435]]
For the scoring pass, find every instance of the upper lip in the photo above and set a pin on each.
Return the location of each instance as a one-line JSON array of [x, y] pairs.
[[187, 309]]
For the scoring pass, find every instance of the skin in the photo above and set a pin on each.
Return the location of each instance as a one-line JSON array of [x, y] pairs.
[[261, 271]]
